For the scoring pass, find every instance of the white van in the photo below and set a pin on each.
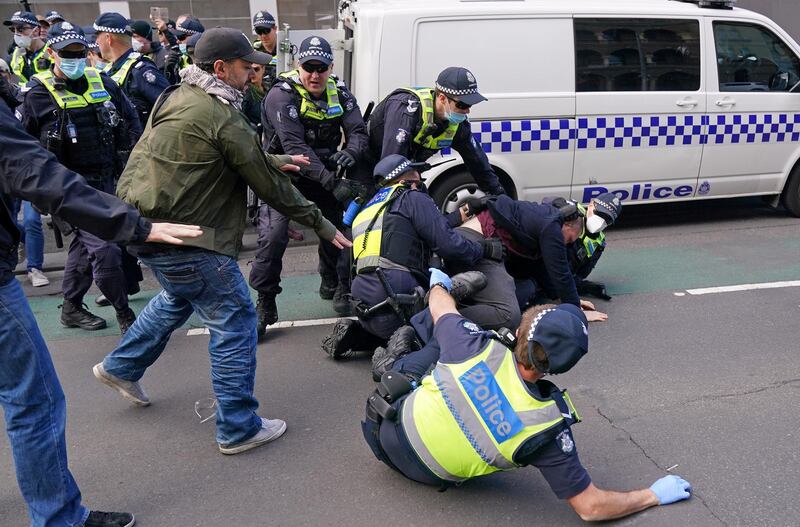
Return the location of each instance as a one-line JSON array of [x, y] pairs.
[[655, 100]]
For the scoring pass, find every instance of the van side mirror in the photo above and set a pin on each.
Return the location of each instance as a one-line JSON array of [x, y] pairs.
[[779, 81]]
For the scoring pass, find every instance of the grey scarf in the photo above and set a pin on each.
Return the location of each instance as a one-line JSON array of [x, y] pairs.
[[194, 76]]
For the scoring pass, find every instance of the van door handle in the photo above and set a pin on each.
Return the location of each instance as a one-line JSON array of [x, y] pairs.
[[725, 102], [686, 103]]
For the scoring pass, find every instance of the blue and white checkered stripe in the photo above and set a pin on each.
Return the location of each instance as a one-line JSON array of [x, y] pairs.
[[595, 133]]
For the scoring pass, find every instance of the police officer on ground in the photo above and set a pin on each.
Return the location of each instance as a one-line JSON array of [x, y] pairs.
[[138, 77], [486, 408], [394, 235], [309, 112], [419, 122], [87, 122], [142, 42], [266, 28], [30, 55], [584, 253]]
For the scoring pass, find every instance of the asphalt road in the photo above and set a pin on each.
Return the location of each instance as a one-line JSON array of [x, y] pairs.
[[707, 384]]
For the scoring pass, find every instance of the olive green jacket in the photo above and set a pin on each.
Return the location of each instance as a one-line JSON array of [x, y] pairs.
[[193, 165]]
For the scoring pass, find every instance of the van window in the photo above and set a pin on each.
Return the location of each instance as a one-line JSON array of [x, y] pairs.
[[753, 58], [623, 54]]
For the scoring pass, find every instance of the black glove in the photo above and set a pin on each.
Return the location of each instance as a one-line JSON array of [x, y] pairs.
[[475, 205], [346, 189], [172, 58], [494, 249], [343, 159]]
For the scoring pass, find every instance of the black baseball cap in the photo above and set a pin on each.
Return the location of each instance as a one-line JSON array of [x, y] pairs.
[[393, 166], [226, 43], [315, 48], [63, 34], [459, 84], [562, 334], [142, 28]]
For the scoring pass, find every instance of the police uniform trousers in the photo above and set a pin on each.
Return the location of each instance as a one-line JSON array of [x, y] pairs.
[[273, 238], [495, 306], [90, 257]]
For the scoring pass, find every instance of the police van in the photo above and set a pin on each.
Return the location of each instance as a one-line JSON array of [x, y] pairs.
[[654, 100]]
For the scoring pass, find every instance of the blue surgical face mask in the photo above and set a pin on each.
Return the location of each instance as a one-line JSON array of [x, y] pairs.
[[455, 117], [100, 64], [182, 47], [73, 68]]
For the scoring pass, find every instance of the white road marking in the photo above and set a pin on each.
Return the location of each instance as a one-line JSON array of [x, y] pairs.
[[285, 324], [679, 294], [743, 287]]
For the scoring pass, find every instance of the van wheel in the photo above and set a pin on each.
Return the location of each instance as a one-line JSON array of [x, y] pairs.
[[791, 193], [451, 190]]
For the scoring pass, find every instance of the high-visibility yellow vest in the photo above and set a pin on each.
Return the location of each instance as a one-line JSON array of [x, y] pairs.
[[423, 136], [121, 74], [468, 419], [590, 244], [309, 107], [41, 62], [95, 93]]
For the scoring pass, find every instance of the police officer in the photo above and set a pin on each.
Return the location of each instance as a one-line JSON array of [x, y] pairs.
[[308, 112], [584, 253], [30, 56], [265, 27], [486, 408], [138, 77], [419, 122], [54, 17], [86, 121], [393, 237], [187, 27]]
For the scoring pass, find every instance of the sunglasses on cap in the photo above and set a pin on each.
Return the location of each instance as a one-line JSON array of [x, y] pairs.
[[65, 54], [263, 30], [460, 105], [312, 68]]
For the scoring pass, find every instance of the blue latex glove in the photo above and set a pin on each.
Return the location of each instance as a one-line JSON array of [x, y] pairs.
[[439, 277], [670, 489]]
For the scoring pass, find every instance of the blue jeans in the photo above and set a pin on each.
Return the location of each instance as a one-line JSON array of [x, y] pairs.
[[32, 235], [35, 414], [212, 286]]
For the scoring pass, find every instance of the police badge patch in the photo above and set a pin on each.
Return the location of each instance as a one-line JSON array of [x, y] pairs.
[[292, 111], [401, 136], [472, 327], [349, 105], [412, 106], [150, 77], [565, 441]]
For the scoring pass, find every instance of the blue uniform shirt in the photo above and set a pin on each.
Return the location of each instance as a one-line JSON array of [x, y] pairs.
[[143, 84]]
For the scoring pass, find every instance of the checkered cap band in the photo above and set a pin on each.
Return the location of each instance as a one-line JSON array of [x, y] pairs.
[[399, 169], [54, 16], [450, 91], [604, 204], [67, 36], [536, 321], [314, 53], [23, 20], [106, 29], [187, 31]]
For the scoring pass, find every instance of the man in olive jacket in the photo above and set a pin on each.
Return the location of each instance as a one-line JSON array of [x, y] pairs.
[[192, 165]]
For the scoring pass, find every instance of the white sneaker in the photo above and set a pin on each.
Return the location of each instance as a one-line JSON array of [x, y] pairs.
[[37, 278], [271, 429]]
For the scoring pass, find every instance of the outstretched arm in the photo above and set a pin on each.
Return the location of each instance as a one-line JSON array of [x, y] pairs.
[[594, 504]]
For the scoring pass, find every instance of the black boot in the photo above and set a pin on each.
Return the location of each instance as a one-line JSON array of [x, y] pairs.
[[267, 312], [109, 519], [402, 341], [341, 301], [327, 288], [467, 284], [77, 316], [343, 337], [125, 318]]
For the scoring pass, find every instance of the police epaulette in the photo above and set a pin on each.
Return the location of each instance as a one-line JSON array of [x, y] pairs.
[[139, 64]]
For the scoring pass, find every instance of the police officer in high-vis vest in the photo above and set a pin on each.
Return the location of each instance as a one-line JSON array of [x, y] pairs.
[[30, 56], [84, 118], [137, 75], [485, 408], [419, 122], [265, 28], [394, 235], [308, 111], [186, 28]]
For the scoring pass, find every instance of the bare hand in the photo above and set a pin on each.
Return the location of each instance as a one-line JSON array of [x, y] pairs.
[[340, 241], [297, 162], [595, 316], [172, 233], [587, 306]]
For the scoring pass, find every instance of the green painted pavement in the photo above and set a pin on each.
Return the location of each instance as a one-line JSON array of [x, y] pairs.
[[625, 271]]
